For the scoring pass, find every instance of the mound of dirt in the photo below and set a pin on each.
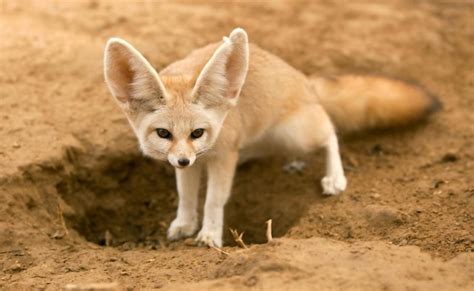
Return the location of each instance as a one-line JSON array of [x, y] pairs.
[[333, 265], [79, 205]]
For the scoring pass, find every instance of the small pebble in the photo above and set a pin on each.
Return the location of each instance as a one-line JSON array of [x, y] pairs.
[[16, 268], [294, 167], [375, 195], [57, 234]]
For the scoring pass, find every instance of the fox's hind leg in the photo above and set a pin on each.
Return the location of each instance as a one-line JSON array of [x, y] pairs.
[[308, 129], [334, 182]]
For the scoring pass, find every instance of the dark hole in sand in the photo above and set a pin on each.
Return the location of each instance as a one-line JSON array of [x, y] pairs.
[[129, 200]]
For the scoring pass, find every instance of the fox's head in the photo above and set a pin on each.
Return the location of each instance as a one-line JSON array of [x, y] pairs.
[[177, 118]]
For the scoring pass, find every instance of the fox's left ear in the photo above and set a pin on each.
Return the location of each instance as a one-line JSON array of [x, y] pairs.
[[130, 77], [222, 78]]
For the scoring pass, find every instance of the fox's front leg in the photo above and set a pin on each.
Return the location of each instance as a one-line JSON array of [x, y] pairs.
[[186, 222], [221, 171]]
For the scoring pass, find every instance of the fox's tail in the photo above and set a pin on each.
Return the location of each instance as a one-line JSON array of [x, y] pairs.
[[368, 102]]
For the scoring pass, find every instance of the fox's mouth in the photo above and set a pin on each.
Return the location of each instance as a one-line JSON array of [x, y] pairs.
[[180, 167]]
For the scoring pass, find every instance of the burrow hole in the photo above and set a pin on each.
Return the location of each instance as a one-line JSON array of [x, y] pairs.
[[129, 200]]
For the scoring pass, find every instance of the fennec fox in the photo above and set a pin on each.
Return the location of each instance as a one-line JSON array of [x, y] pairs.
[[233, 101]]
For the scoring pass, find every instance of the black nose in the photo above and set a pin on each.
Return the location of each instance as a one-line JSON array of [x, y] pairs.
[[183, 162]]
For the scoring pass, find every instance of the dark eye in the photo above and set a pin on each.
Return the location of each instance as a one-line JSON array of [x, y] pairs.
[[197, 133], [163, 133]]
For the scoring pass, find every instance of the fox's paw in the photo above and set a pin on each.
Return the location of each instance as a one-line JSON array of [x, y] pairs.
[[181, 229], [333, 185], [209, 238]]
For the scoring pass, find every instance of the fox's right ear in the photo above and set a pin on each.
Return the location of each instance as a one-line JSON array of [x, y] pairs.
[[130, 77]]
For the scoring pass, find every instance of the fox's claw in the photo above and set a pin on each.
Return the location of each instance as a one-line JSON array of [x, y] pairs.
[[209, 238], [333, 185], [181, 229]]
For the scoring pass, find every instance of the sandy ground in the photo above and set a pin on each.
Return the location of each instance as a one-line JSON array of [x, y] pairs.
[[72, 179]]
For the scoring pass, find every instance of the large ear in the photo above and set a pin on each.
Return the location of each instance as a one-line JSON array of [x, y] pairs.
[[130, 77], [222, 78]]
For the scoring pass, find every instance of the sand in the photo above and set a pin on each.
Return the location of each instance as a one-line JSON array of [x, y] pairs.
[[80, 205]]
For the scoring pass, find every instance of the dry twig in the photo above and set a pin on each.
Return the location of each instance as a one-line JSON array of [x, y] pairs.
[[269, 230], [238, 238], [220, 251], [61, 217], [108, 238]]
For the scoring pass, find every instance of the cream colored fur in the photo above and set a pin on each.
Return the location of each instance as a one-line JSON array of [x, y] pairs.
[[249, 103]]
